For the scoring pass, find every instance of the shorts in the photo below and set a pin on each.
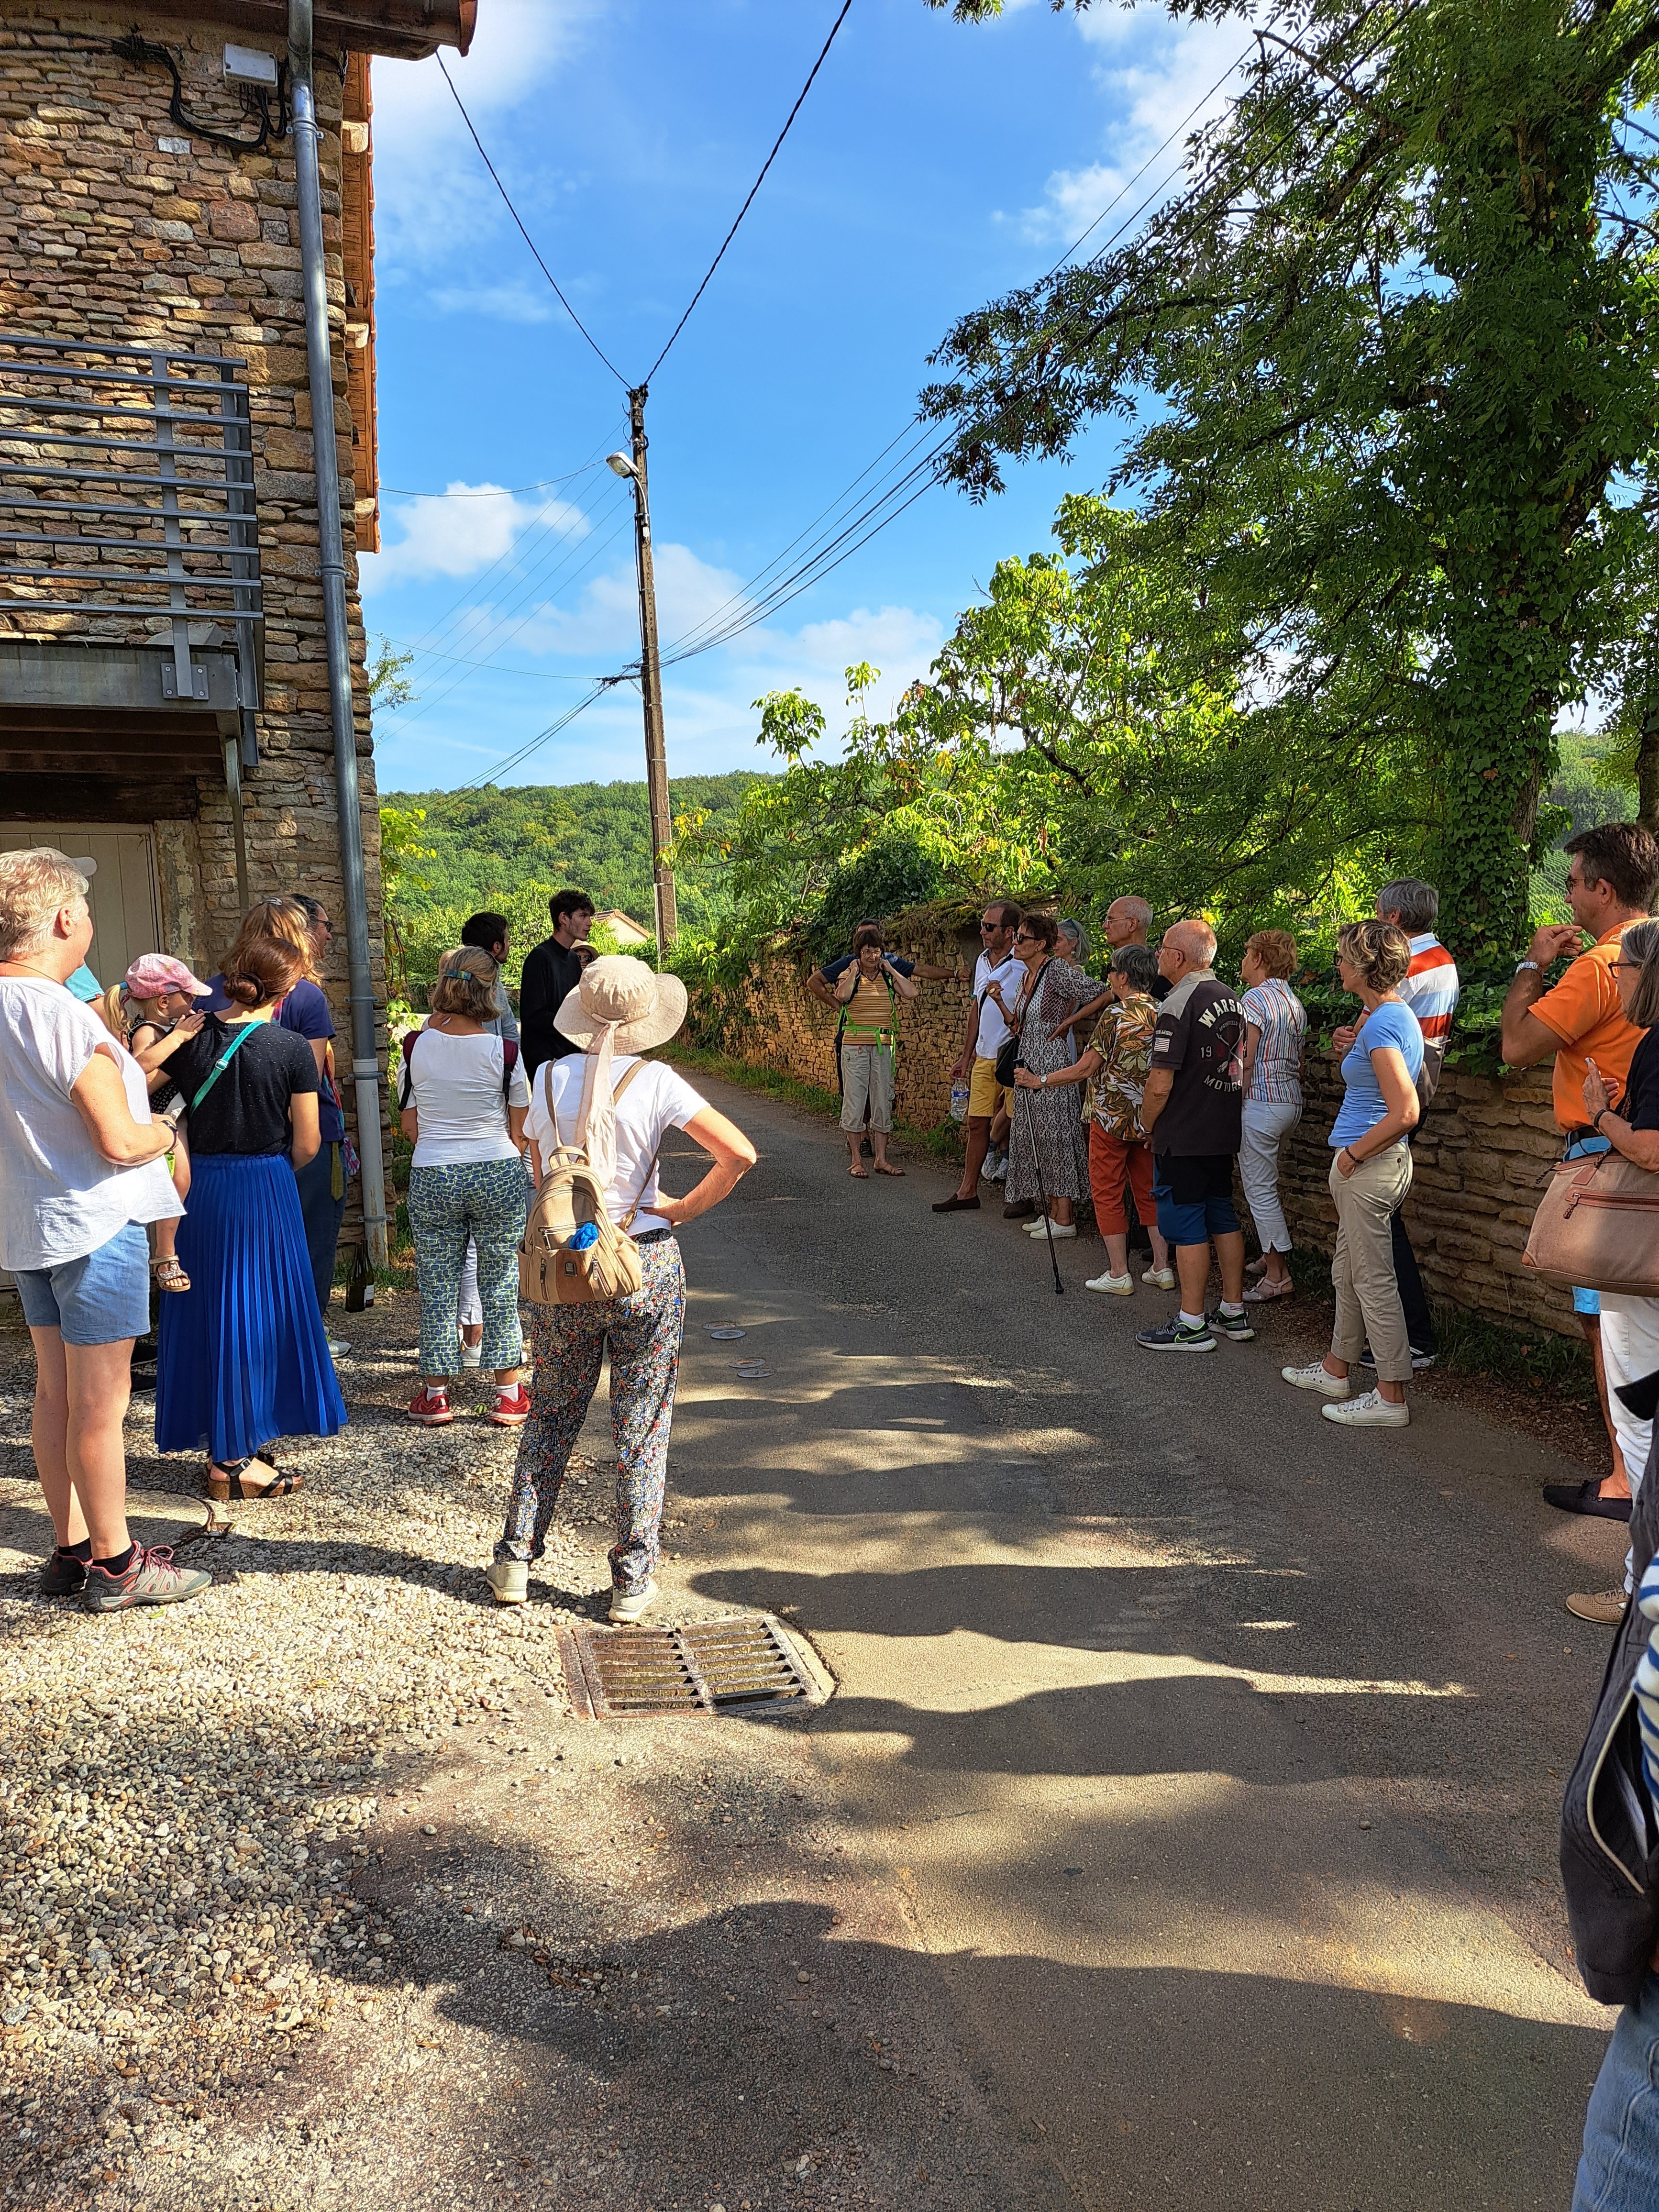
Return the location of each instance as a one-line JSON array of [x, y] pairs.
[[102, 1297], [1194, 1195], [986, 1096], [1588, 1302]]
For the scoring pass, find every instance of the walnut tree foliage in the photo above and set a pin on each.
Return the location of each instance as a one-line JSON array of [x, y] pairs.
[[1388, 365]]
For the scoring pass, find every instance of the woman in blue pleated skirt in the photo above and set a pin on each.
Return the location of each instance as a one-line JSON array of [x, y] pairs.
[[244, 1357]]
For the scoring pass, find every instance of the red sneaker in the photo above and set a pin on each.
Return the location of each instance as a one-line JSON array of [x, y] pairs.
[[430, 1409], [511, 1408]]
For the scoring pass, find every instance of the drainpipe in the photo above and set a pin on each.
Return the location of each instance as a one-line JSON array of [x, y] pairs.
[[365, 1060]]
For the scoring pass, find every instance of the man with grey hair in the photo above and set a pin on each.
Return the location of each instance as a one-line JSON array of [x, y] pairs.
[[1193, 1111], [1431, 990], [81, 1172]]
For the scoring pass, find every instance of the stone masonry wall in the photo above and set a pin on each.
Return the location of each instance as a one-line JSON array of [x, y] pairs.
[[1478, 1158], [115, 223]]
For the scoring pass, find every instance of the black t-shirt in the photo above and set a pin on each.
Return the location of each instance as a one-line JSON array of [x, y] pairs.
[[552, 972], [246, 1110], [1639, 1104], [1201, 1036]]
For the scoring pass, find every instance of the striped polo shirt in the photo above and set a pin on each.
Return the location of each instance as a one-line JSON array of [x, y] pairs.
[[1429, 989]]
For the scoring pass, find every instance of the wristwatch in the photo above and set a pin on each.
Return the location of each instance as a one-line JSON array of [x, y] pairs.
[[1044, 1081]]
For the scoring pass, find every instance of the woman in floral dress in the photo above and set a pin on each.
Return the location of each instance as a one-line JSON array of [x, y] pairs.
[[1048, 1156]]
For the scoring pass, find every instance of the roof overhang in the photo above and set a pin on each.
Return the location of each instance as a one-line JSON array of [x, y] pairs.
[[407, 30]]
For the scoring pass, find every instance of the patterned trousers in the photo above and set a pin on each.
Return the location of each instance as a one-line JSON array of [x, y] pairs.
[[487, 1201], [569, 1342]]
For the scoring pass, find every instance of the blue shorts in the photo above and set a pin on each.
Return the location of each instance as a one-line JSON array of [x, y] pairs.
[[1195, 1196], [1579, 1148], [99, 1299]]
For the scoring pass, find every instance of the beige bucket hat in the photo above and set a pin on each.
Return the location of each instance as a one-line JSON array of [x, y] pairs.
[[647, 1009]]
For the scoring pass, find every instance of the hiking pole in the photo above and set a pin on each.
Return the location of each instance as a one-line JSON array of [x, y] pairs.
[[1048, 1227]]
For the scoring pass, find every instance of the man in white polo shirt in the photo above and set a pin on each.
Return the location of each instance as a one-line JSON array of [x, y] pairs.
[[81, 1172], [976, 1063]]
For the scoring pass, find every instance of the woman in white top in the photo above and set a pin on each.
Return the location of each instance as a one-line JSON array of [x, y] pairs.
[[617, 1011], [464, 1102]]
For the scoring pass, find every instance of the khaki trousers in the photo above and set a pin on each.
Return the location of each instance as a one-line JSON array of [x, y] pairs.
[[1362, 1267]]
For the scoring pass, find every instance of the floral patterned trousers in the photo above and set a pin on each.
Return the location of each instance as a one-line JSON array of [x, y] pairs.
[[643, 1332]]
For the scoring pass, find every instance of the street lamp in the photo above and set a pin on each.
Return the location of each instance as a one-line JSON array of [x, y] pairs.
[[656, 756]]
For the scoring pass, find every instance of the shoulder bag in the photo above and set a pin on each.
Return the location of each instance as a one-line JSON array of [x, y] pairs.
[[555, 1268], [1008, 1056], [1597, 1228], [243, 1033]]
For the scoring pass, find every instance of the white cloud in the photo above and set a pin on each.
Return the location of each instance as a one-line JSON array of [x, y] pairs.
[[495, 303], [604, 624], [1161, 83], [458, 535]]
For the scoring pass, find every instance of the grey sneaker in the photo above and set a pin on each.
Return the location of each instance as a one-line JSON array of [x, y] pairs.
[[1315, 1376], [1370, 1410], [632, 1605], [150, 1578], [1237, 1325], [1175, 1336], [472, 1354], [510, 1580]]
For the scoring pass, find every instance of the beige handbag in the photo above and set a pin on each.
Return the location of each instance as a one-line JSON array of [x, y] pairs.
[[553, 1269], [1597, 1228]]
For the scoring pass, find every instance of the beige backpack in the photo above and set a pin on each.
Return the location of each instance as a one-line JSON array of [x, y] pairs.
[[552, 1271]]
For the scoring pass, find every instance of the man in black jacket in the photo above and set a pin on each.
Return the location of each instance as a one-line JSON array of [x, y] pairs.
[[552, 970]]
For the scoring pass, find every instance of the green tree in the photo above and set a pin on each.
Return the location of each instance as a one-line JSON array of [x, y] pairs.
[[1399, 334]]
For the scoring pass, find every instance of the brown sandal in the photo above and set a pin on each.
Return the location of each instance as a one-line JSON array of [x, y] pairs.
[[230, 1481], [169, 1274]]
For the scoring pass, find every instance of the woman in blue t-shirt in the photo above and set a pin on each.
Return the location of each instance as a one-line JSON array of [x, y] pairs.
[[1371, 1174]]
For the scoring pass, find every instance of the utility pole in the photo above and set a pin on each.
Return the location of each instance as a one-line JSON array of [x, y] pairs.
[[656, 755]]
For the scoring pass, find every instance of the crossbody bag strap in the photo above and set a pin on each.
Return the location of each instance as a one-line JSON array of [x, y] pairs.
[[224, 1059]]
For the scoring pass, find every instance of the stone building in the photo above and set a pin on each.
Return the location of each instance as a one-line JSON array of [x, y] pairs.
[[164, 692]]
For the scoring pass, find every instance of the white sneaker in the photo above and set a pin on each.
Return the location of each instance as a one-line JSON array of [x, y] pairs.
[[472, 1354], [631, 1605], [337, 1347], [1315, 1376], [1040, 1230], [999, 1170], [510, 1580], [1162, 1279], [1370, 1410], [1115, 1286]]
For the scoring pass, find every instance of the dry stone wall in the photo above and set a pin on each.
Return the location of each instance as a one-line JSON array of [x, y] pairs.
[[1478, 1157], [116, 223]]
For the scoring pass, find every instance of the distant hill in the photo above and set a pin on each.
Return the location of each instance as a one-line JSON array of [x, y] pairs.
[[507, 850]]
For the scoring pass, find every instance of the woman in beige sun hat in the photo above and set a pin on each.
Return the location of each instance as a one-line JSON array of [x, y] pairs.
[[619, 1011]]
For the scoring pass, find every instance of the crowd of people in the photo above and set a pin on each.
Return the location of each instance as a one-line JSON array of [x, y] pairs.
[[188, 1135]]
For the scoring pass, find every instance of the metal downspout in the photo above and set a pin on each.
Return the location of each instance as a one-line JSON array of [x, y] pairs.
[[365, 1062]]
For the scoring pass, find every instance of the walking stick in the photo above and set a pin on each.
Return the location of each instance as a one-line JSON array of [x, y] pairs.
[[1048, 1224]]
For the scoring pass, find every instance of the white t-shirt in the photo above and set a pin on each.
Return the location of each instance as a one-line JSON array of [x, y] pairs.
[[1011, 974], [655, 1102], [455, 1088], [59, 1197]]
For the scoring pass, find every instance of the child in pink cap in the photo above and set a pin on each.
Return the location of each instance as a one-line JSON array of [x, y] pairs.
[[150, 1010]]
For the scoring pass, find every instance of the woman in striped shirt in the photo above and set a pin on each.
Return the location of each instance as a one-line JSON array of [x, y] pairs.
[[1277, 1023]]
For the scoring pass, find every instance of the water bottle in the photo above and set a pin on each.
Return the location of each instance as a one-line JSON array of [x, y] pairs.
[[959, 1100]]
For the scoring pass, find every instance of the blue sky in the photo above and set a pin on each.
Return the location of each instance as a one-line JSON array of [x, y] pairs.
[[933, 167]]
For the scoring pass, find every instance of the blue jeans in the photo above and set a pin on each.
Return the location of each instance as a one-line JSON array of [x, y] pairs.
[[1619, 2170], [102, 1297]]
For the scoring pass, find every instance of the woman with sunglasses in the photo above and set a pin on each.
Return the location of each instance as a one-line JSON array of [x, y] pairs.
[[1048, 1151]]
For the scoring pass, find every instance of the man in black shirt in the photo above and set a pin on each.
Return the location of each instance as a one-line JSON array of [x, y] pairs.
[[552, 970]]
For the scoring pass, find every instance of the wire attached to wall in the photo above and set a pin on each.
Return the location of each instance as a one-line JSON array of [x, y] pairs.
[[256, 101]]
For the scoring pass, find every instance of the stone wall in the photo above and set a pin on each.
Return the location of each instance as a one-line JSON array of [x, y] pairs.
[[116, 224], [1479, 1156]]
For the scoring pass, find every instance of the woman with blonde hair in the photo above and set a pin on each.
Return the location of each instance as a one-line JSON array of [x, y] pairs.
[[1371, 1174], [463, 1101], [1276, 1023], [243, 1358]]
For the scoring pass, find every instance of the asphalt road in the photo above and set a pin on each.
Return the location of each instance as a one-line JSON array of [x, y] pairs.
[[1214, 1753]]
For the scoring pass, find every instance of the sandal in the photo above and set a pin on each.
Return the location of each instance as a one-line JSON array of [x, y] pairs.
[[863, 1174], [1261, 1292], [169, 1274], [881, 1169], [231, 1481]]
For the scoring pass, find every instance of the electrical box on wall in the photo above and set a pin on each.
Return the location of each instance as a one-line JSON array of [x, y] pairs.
[[247, 65]]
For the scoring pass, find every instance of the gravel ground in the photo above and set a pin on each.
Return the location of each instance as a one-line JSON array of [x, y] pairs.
[[313, 1890]]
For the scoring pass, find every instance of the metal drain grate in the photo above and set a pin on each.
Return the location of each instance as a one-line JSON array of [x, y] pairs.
[[748, 1664]]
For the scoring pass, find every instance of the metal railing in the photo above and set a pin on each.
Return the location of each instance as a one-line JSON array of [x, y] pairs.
[[127, 503]]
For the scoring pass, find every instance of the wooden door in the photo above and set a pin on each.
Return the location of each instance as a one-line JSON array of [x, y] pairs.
[[127, 907]]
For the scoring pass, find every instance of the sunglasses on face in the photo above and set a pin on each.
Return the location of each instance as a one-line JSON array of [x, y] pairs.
[[990, 928], [1025, 936]]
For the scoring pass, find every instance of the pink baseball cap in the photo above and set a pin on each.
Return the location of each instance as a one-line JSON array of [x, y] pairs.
[[153, 975]]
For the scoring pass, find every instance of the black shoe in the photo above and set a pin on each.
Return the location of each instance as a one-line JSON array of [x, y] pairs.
[[64, 1575], [1586, 1497], [1175, 1336], [955, 1205], [1237, 1325], [1019, 1209], [866, 1150], [1421, 1360]]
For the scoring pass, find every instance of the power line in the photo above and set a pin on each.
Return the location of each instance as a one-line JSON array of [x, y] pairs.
[[562, 721], [753, 189], [492, 491], [527, 239]]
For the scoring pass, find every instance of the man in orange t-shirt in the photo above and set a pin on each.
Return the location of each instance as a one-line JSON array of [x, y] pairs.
[[1610, 884]]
